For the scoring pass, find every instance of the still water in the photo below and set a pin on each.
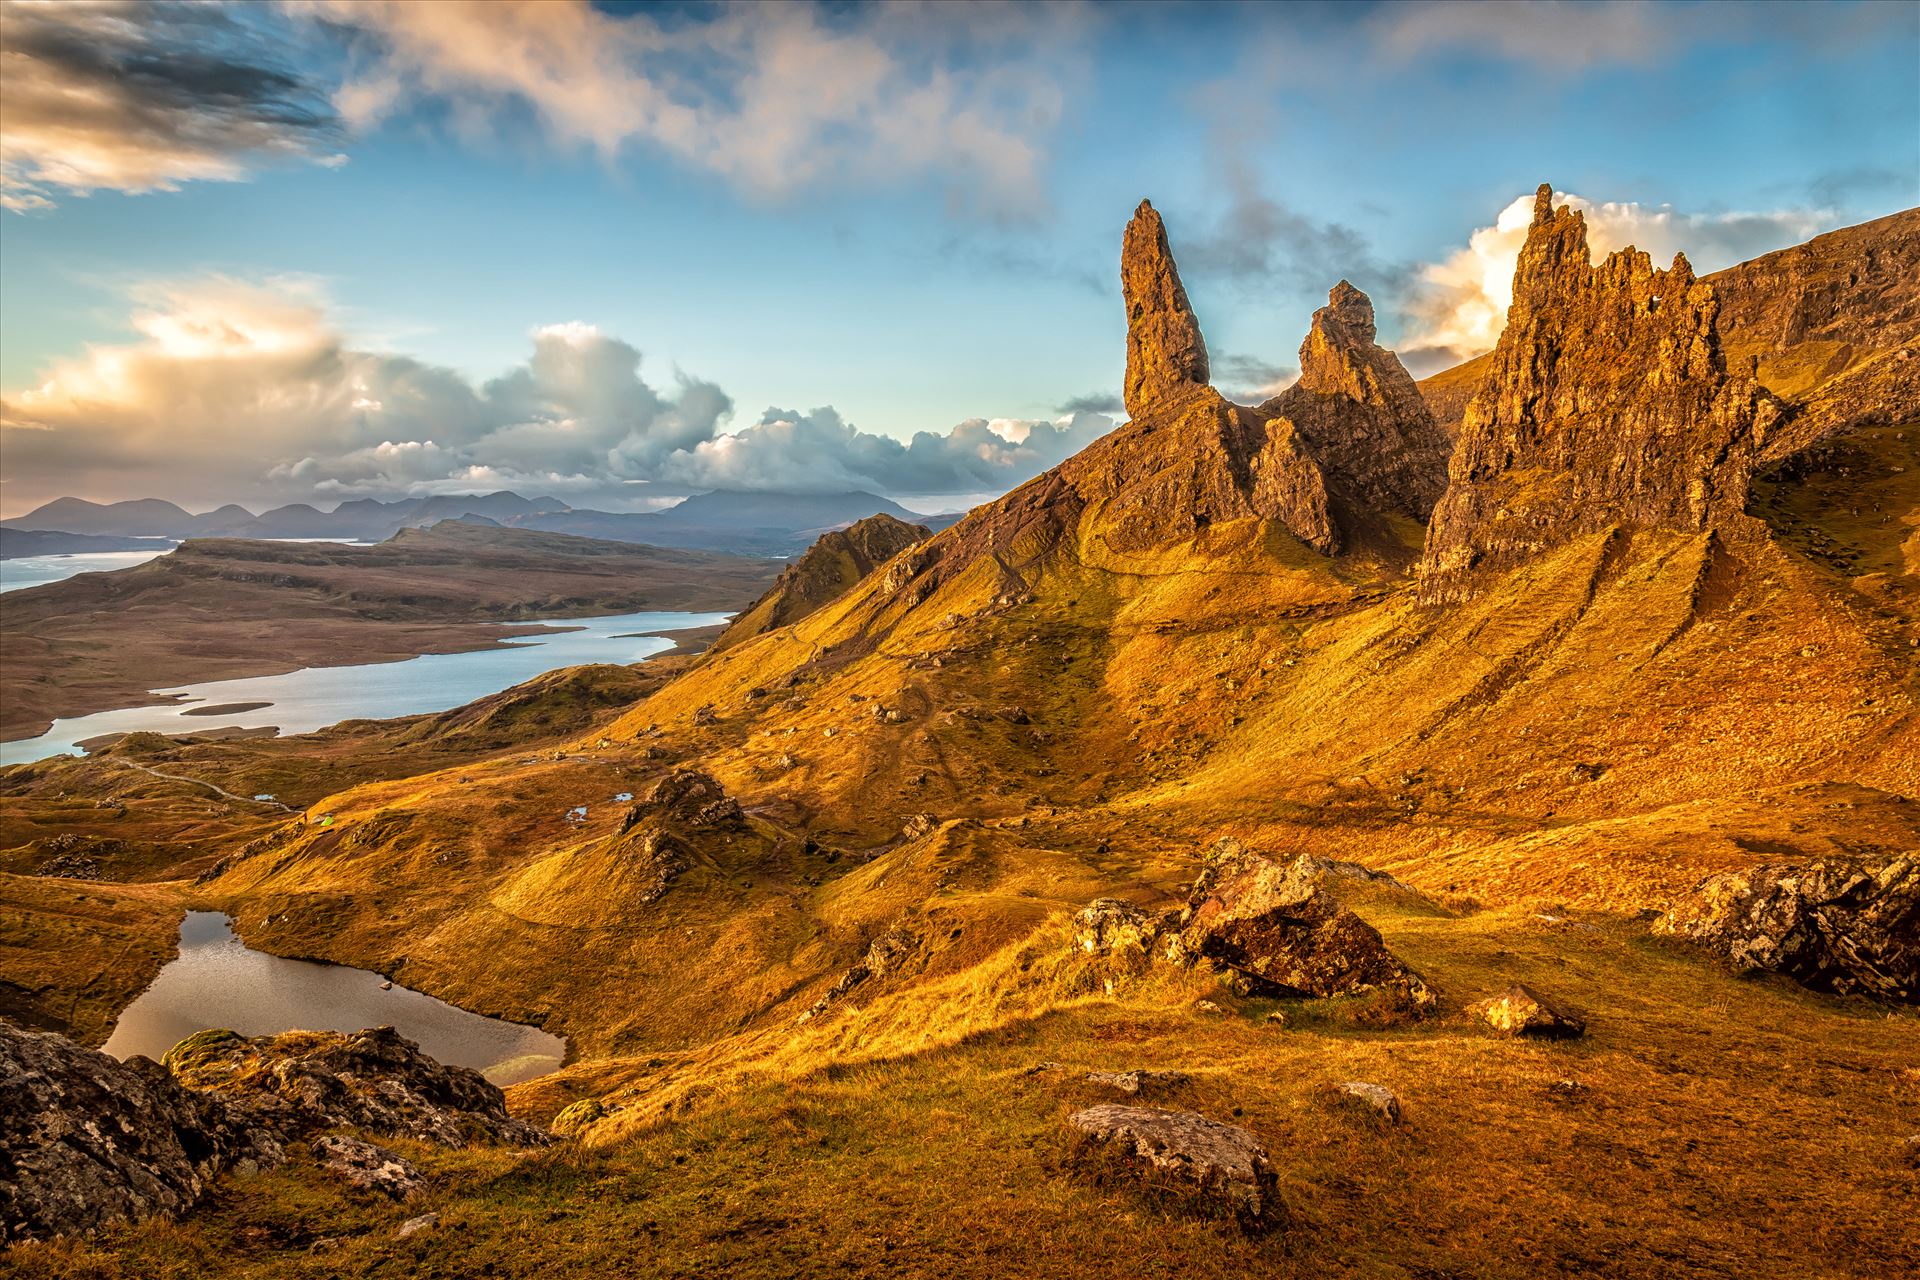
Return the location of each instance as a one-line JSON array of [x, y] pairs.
[[314, 697], [218, 981], [35, 571]]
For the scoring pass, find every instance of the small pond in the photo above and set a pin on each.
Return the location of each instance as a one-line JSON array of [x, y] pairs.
[[218, 981]]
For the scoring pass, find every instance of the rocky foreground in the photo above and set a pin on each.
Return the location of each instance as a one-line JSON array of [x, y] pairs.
[[86, 1140]]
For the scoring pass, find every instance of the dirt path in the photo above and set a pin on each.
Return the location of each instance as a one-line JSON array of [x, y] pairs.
[[216, 789]]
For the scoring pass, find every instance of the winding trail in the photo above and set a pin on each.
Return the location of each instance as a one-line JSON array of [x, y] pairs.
[[213, 787]]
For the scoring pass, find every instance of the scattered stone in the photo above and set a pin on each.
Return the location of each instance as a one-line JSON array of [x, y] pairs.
[[1522, 1011], [414, 1226], [886, 955], [920, 824], [1040, 1067], [1277, 1018], [1277, 932], [365, 1167], [1567, 1090], [1846, 925], [1015, 715], [1109, 925], [705, 714], [69, 866], [1218, 1170], [1138, 1081], [1206, 1006], [1377, 1098]]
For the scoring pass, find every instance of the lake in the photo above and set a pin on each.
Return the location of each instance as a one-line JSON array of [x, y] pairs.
[[36, 571], [314, 697], [219, 981]]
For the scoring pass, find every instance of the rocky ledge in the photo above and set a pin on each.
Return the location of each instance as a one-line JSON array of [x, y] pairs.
[[1842, 925], [87, 1140]]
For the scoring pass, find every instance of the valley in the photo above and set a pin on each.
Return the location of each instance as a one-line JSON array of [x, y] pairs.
[[223, 610], [1269, 747]]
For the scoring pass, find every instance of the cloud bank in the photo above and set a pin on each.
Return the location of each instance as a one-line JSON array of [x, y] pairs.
[[1457, 307], [144, 96], [239, 390]]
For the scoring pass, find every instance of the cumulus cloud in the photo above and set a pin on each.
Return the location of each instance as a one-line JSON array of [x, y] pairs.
[[144, 96], [772, 97], [1458, 306], [237, 389]]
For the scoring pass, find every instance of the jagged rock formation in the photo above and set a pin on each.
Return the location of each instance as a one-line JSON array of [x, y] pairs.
[[376, 1079], [1276, 931], [86, 1140], [1165, 353], [832, 565], [1359, 412], [1835, 925], [1607, 403]]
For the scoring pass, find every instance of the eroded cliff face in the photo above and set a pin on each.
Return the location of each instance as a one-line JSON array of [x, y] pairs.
[[1358, 410], [1165, 353], [1608, 402]]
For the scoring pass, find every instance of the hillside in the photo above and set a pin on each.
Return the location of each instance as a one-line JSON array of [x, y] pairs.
[[225, 608], [907, 860]]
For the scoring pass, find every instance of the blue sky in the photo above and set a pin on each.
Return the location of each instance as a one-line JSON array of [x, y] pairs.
[[363, 248]]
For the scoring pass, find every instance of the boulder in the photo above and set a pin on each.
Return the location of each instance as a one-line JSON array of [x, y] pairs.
[[1276, 931], [365, 1167], [1522, 1011], [1138, 1081], [1846, 925], [1108, 926], [1376, 1098], [86, 1140], [1217, 1170]]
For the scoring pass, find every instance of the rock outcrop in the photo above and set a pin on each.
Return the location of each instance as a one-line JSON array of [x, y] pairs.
[[86, 1140], [377, 1080], [832, 565], [1607, 403], [1841, 925], [1522, 1011], [1165, 353], [1276, 931], [1215, 1169], [1360, 413]]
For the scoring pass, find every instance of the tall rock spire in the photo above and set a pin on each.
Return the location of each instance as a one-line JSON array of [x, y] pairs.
[[1165, 353], [1607, 403], [1357, 408]]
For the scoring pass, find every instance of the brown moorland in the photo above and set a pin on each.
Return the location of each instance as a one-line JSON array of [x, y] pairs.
[[225, 608]]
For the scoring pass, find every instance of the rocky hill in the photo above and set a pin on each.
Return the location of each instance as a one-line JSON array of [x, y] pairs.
[[1197, 771], [823, 574]]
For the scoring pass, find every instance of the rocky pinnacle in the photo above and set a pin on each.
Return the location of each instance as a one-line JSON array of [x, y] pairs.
[[1608, 402], [1165, 353]]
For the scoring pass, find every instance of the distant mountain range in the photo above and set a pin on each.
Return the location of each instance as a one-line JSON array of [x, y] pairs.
[[724, 520], [17, 543]]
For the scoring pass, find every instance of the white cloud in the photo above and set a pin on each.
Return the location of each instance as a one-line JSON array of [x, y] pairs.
[[1459, 305], [774, 97], [241, 390]]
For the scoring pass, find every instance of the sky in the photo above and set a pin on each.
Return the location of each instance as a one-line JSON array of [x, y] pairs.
[[617, 253]]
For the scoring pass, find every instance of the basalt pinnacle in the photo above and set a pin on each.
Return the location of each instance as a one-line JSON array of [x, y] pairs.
[[1608, 402], [1359, 411], [1165, 353]]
